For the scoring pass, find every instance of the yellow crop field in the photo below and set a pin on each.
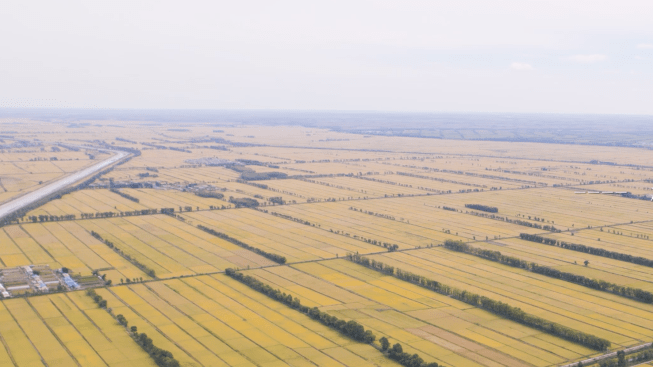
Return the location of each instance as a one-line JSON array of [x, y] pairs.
[[64, 330], [296, 201], [172, 248], [295, 241], [216, 321], [447, 330]]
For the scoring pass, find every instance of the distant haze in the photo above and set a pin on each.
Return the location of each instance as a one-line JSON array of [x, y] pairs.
[[526, 56]]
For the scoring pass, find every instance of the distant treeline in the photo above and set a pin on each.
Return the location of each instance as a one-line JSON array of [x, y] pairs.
[[588, 249], [209, 194], [496, 307], [274, 257], [483, 208], [125, 195]]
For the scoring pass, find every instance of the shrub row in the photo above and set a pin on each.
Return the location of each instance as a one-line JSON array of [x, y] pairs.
[[136, 263], [125, 195], [628, 360], [209, 194], [588, 249], [496, 307], [635, 293], [349, 328], [274, 257], [483, 208], [161, 357]]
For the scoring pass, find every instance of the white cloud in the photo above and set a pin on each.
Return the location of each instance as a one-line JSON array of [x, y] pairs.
[[645, 45], [521, 66], [588, 59]]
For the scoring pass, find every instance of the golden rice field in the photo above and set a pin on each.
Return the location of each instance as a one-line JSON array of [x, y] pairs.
[[347, 193], [216, 321], [64, 330], [433, 325]]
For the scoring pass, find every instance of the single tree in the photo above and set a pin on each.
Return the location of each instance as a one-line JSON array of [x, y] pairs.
[[385, 343]]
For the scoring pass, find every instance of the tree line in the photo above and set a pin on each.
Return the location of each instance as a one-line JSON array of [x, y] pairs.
[[598, 284], [274, 257], [161, 357], [128, 257], [623, 360], [483, 208], [496, 307], [349, 328], [125, 195], [588, 249]]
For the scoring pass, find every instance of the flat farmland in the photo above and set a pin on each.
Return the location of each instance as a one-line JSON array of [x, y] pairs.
[[297, 242], [64, 330], [366, 188], [599, 267], [172, 248], [60, 244], [417, 215], [620, 320], [557, 206], [87, 201], [217, 321], [309, 190], [435, 326], [339, 218], [156, 199], [637, 188]]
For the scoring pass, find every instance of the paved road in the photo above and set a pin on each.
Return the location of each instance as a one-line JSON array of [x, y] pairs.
[[44, 191]]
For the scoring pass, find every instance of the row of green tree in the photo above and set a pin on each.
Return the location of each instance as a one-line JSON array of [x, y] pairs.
[[496, 307], [161, 357], [274, 257], [623, 360], [349, 328], [50, 218], [635, 293], [136, 263], [588, 249], [209, 194], [483, 208], [125, 195]]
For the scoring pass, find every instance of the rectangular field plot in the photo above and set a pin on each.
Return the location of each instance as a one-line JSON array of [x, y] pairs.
[[599, 267], [65, 330], [297, 242], [417, 215], [60, 244], [172, 248], [217, 321], [620, 320], [353, 223], [436, 327], [557, 206], [306, 190], [87, 201]]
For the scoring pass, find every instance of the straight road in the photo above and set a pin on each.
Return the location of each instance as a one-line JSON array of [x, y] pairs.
[[12, 206]]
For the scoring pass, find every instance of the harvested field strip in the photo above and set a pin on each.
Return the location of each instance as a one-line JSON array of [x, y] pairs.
[[622, 321], [222, 322], [402, 310], [296, 242]]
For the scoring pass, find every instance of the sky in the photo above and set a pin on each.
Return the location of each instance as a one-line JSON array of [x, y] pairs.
[[534, 56]]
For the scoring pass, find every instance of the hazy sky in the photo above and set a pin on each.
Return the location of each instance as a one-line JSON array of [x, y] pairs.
[[567, 56]]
